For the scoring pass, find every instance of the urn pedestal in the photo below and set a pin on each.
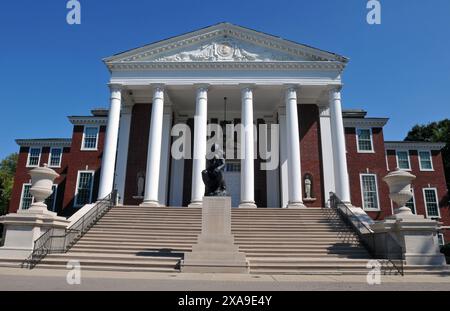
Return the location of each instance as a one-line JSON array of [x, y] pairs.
[[215, 251], [416, 234], [21, 229]]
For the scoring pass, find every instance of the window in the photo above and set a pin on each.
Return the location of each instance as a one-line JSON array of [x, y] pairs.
[[403, 162], [369, 191], [90, 138], [426, 164], [411, 204], [51, 200], [34, 157], [431, 202], [55, 157], [364, 140], [27, 199], [83, 193], [441, 239]]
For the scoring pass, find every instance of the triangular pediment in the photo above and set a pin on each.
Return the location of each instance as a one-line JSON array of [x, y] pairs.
[[224, 43]]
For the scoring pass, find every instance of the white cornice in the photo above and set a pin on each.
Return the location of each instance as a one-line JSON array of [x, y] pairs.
[[368, 122], [328, 65], [88, 120], [50, 142], [414, 145]]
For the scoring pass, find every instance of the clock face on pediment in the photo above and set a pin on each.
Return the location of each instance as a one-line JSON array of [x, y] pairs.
[[223, 50]]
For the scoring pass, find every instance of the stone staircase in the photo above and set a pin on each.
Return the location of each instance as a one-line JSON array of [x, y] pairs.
[[275, 241]]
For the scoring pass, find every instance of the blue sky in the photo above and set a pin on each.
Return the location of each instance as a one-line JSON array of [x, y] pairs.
[[399, 69]]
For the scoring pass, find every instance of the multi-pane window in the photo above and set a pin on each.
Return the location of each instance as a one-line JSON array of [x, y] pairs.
[[90, 138], [51, 200], [411, 204], [55, 157], [364, 140], [34, 157], [441, 239], [27, 198], [431, 202], [425, 161], [369, 191], [403, 160], [84, 188]]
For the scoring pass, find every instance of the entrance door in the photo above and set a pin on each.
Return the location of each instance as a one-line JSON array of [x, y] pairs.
[[233, 181]]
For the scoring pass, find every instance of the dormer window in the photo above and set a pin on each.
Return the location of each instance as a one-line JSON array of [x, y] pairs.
[[90, 138]]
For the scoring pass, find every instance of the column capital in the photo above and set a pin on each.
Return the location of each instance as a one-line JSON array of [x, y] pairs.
[[334, 87], [157, 87], [115, 86], [292, 86], [335, 94], [202, 86], [247, 86]]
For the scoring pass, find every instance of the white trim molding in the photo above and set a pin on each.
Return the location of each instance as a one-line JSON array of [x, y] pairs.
[[75, 120], [48, 142], [413, 145], [365, 123]]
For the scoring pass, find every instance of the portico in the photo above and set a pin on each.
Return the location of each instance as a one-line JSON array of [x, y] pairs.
[[266, 80]]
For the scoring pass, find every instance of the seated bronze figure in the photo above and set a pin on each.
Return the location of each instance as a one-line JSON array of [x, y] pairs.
[[213, 175]]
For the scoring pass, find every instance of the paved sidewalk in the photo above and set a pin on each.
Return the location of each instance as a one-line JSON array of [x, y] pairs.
[[55, 280]]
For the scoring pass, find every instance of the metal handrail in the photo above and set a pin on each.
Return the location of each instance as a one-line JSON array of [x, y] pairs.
[[50, 242], [380, 245]]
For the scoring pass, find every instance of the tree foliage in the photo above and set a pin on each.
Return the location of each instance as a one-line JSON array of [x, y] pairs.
[[435, 132], [7, 172]]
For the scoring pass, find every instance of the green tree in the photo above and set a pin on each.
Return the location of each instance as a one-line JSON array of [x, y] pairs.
[[7, 172], [435, 132]]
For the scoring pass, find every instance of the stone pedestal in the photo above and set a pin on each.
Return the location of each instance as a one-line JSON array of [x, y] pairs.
[[417, 236], [24, 227], [215, 251]]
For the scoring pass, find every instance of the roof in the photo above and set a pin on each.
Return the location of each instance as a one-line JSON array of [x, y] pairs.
[[414, 145], [49, 142]]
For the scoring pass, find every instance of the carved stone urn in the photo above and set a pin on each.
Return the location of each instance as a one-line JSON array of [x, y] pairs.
[[42, 179], [399, 183]]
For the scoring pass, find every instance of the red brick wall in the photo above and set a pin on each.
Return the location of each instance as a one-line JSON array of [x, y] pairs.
[[22, 177], [82, 160], [424, 179], [311, 153], [137, 150], [372, 163]]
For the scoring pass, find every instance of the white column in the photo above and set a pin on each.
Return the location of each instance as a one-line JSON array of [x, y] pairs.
[[110, 147], [154, 149], [327, 151], [200, 132], [339, 149], [247, 145], [293, 144], [284, 178], [165, 157], [122, 152]]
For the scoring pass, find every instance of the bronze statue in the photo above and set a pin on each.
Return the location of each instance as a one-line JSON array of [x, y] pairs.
[[213, 175]]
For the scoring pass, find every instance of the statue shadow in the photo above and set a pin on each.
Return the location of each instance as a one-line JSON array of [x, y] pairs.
[[160, 252]]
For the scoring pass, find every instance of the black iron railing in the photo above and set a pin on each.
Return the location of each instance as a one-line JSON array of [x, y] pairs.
[[60, 241], [380, 245]]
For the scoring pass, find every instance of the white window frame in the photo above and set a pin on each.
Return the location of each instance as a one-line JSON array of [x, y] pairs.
[[50, 157], [29, 153], [362, 192], [371, 140], [443, 239], [437, 202], [83, 148], [409, 159], [77, 184], [21, 195], [420, 161], [32, 197], [414, 201]]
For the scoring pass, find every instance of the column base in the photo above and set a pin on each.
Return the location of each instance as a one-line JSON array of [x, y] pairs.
[[197, 204], [296, 205], [247, 205], [150, 204]]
